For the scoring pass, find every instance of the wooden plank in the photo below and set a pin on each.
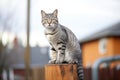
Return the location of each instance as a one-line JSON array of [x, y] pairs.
[[61, 72], [38, 73]]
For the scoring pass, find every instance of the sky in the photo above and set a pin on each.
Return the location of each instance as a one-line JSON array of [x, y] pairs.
[[83, 17]]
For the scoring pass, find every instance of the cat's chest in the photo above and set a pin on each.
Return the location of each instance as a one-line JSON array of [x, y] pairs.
[[51, 38]]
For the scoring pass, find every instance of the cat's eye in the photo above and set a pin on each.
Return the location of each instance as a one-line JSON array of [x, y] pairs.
[[45, 19], [54, 20]]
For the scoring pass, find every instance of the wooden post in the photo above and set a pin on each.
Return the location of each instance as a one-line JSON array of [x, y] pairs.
[[27, 50], [61, 72]]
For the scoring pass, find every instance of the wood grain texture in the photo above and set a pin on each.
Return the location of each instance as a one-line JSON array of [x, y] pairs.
[[61, 72], [38, 73]]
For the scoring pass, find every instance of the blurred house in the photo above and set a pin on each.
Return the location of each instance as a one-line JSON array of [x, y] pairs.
[[101, 44], [15, 59]]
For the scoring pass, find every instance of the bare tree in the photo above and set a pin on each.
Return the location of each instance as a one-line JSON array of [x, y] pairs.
[[7, 23], [7, 17], [2, 58]]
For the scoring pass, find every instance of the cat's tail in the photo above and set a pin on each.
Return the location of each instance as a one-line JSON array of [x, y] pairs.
[[80, 70]]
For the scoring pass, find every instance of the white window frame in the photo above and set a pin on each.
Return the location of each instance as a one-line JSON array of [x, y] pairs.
[[102, 45]]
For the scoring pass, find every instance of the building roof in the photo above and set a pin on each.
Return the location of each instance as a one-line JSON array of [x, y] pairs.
[[39, 57], [113, 30]]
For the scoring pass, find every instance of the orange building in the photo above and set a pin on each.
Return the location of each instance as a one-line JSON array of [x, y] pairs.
[[101, 44]]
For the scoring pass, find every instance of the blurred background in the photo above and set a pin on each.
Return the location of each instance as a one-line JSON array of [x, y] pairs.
[[96, 23]]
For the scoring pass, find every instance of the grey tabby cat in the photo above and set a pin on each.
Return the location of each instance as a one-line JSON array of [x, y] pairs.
[[64, 45]]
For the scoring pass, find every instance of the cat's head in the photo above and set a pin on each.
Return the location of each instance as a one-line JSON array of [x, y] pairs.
[[49, 20]]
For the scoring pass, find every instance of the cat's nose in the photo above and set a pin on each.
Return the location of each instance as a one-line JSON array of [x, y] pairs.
[[49, 21], [48, 24]]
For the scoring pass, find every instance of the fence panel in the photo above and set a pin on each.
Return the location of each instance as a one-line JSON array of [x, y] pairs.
[[104, 73]]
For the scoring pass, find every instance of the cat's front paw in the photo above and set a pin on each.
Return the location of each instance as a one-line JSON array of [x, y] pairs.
[[58, 62], [52, 61], [73, 61]]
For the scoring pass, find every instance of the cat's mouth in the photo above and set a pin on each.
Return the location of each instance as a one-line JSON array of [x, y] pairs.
[[49, 25]]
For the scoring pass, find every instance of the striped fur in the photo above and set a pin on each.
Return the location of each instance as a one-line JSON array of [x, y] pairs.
[[64, 44]]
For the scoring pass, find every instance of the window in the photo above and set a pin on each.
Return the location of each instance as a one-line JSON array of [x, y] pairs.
[[102, 45]]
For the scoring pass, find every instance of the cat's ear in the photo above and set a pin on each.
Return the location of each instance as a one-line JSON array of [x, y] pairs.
[[43, 13], [55, 12]]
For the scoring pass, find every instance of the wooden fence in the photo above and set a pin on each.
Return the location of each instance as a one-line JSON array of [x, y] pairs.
[[68, 72], [104, 74]]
